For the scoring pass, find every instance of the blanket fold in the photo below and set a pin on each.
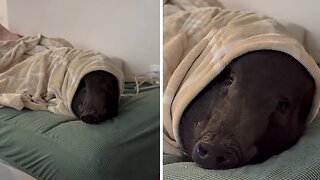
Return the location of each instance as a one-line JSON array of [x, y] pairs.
[[42, 74], [199, 43]]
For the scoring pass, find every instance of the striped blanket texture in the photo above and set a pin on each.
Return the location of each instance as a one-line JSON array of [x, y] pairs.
[[200, 41], [42, 74]]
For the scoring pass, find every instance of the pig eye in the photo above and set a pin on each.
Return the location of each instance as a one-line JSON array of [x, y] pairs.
[[229, 80], [283, 105], [103, 89], [81, 104]]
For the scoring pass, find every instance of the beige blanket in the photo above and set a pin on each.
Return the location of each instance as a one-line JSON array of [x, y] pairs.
[[200, 42], [41, 74]]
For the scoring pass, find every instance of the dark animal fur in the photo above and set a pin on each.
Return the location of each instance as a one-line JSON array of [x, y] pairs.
[[97, 97], [255, 108]]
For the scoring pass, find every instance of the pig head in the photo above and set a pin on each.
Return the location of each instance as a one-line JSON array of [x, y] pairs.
[[255, 108], [97, 97]]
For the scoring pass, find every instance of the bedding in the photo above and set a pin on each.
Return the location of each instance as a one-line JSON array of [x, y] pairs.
[[39, 73], [302, 161], [9, 173], [200, 42], [52, 146]]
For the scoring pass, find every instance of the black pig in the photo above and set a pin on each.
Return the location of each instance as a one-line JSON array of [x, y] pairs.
[[96, 98], [255, 108]]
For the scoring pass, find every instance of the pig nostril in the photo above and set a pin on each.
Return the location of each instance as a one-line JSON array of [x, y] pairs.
[[224, 159], [221, 159], [89, 119], [202, 152]]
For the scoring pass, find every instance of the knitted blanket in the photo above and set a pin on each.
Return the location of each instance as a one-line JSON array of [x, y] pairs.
[[41, 74], [200, 42]]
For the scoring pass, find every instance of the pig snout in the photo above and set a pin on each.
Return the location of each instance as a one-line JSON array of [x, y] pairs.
[[215, 156], [91, 114], [90, 119], [96, 98]]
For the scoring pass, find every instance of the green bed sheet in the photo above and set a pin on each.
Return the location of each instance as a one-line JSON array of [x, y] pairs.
[[302, 161], [50, 146]]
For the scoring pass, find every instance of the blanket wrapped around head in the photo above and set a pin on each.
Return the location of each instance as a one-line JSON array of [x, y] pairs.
[[41, 74], [199, 43]]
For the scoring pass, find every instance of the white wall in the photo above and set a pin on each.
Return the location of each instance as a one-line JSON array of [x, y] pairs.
[[301, 12], [122, 29], [3, 12]]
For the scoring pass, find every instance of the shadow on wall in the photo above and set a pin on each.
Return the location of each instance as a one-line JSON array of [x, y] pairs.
[[312, 47], [127, 71], [306, 38]]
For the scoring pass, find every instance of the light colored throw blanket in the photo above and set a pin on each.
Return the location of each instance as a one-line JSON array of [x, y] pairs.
[[41, 74], [200, 42]]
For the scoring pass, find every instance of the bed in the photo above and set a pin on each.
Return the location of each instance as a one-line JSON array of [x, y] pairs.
[[50, 146]]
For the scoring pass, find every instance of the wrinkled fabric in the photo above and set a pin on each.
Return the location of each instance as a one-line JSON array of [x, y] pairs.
[[200, 42], [41, 74]]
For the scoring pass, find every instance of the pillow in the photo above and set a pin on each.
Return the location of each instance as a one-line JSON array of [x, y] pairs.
[[302, 161]]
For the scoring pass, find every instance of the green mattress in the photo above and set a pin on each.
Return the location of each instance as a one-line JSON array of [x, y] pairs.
[[302, 161], [50, 146]]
